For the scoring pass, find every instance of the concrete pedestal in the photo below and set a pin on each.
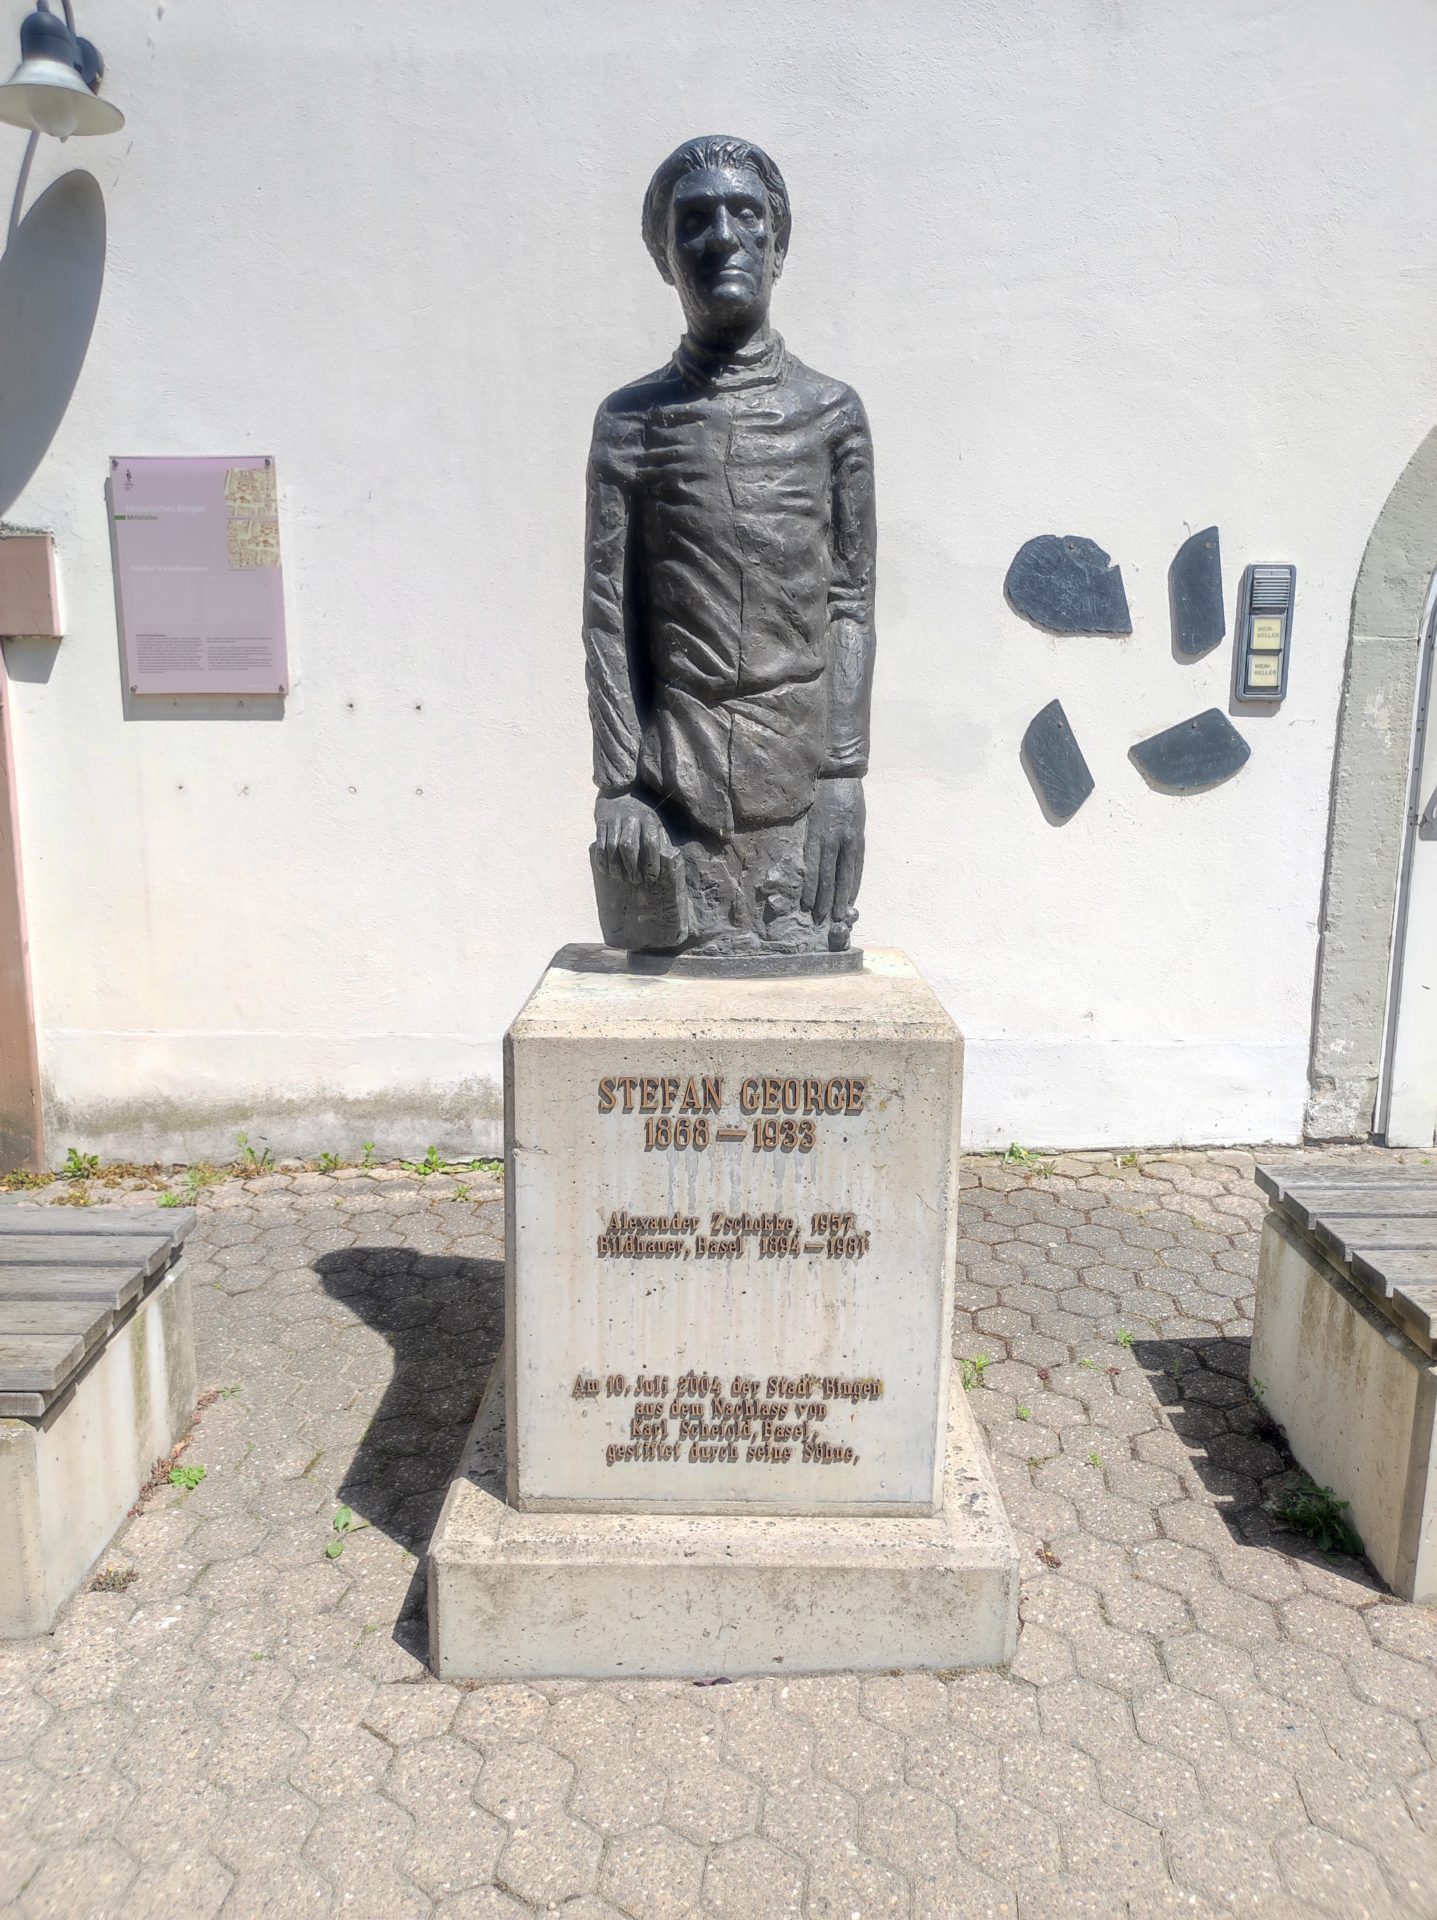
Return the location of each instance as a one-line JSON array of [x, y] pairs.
[[730, 1232], [602, 1595]]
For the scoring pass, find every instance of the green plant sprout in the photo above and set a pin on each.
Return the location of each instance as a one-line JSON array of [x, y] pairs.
[[344, 1523], [251, 1161], [1318, 1513]]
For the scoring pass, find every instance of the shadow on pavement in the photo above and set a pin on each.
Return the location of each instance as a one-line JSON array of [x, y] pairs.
[[443, 1317], [1238, 1451]]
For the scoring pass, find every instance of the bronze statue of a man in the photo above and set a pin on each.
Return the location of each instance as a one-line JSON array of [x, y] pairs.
[[728, 601]]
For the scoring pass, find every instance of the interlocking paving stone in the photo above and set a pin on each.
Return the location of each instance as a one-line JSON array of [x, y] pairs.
[[1204, 1716]]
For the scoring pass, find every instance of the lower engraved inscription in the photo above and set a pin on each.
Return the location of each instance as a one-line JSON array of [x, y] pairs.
[[702, 1419]]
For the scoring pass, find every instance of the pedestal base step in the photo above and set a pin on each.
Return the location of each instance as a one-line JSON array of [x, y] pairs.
[[516, 1596]]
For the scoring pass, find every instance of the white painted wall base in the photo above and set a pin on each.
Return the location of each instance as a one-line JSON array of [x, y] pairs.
[[1133, 1091], [311, 1093], [1357, 1401], [67, 1479]]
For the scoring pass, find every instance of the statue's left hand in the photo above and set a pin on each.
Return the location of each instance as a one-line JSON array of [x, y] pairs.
[[833, 856]]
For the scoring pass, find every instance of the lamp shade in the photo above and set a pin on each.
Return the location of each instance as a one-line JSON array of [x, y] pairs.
[[47, 93]]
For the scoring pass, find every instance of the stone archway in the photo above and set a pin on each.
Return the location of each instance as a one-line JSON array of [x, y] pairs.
[[1369, 805]]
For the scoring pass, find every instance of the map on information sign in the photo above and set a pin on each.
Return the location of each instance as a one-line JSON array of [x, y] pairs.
[[201, 595]]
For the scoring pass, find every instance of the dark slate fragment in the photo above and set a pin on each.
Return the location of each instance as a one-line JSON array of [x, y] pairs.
[[1055, 763], [1193, 755], [1195, 595], [1068, 585]]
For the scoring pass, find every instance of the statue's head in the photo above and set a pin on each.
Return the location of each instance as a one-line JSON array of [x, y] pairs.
[[716, 220]]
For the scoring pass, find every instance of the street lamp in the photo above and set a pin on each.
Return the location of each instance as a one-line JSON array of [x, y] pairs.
[[55, 89]]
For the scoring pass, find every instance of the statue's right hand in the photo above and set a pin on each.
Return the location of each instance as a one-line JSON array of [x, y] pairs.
[[630, 836]]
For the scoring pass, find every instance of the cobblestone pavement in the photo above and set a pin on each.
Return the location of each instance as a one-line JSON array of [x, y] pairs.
[[1203, 1717]]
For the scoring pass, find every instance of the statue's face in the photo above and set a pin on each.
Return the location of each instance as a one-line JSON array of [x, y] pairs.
[[721, 250]]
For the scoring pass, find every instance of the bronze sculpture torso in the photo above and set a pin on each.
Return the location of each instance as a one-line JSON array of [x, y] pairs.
[[728, 616]]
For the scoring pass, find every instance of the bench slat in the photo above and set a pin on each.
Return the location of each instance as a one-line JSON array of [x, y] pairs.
[[1324, 1173], [1371, 1237], [148, 1250], [1399, 1264], [77, 1316], [37, 1363], [115, 1285], [175, 1223], [1361, 1204]]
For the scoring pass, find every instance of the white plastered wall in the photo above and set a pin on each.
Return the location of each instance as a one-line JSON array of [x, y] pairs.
[[1096, 266]]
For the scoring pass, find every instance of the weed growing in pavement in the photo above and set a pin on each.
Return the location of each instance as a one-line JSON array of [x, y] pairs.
[[1025, 1413], [1127, 1160], [117, 1172], [187, 1477], [21, 1181], [1016, 1156], [344, 1523], [114, 1579], [1095, 1459], [327, 1162], [487, 1166], [251, 1161], [1318, 1513], [172, 1199], [200, 1175], [366, 1153], [1125, 1339], [971, 1371], [1264, 1427], [461, 1192], [1087, 1361], [80, 1166], [433, 1162], [77, 1197]]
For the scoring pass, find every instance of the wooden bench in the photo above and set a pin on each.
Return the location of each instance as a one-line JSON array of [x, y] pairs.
[[1344, 1347], [97, 1381]]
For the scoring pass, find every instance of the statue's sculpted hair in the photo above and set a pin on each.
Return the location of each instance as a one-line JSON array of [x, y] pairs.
[[710, 150]]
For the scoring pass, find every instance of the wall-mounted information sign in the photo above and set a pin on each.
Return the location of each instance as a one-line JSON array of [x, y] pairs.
[[196, 545]]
